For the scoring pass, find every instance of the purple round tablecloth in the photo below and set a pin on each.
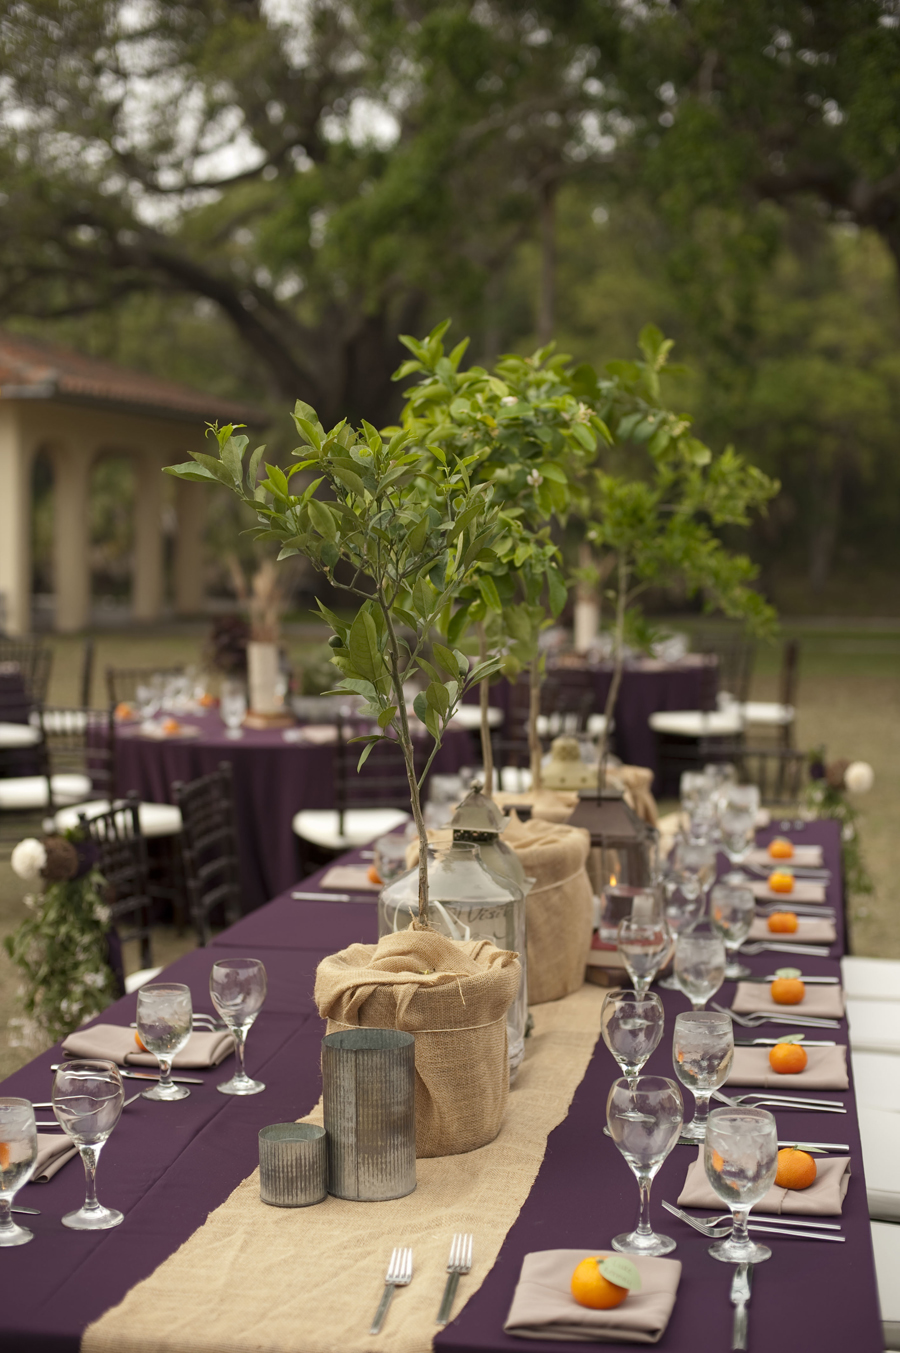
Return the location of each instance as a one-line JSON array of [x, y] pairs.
[[273, 780]]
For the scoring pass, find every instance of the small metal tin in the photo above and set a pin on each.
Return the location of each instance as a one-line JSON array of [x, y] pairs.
[[369, 1099], [292, 1164]]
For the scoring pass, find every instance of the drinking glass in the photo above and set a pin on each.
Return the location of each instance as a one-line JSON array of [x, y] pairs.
[[644, 1122], [233, 707], [164, 1015], [18, 1158], [683, 908], [148, 695], [238, 988], [695, 862], [737, 806], [699, 965], [632, 1025], [732, 908], [702, 1053], [741, 1161], [697, 790], [643, 947], [87, 1100]]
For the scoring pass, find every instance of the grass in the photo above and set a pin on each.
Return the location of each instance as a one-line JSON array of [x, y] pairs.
[[848, 701]]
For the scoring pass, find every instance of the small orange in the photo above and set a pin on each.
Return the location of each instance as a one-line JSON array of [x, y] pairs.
[[783, 922], [787, 991], [788, 1059], [207, 701], [4, 1155], [137, 1039], [780, 881], [796, 1169], [590, 1288], [781, 849], [123, 710], [171, 726], [373, 875]]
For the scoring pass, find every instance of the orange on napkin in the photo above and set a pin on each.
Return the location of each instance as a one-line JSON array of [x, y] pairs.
[[754, 997], [809, 931], [116, 1044], [543, 1306], [802, 891], [826, 1069], [823, 1198]]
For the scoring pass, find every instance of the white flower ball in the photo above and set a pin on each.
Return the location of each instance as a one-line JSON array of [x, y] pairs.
[[28, 859], [859, 777]]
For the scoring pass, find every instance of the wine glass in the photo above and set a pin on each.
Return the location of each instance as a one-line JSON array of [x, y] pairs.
[[699, 965], [632, 1025], [683, 908], [741, 1161], [645, 1123], [18, 1158], [233, 707], [732, 908], [643, 946], [164, 1016], [238, 988], [695, 862], [87, 1100], [702, 1053], [148, 695], [737, 806]]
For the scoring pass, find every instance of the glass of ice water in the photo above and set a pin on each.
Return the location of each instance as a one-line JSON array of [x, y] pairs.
[[632, 1025], [643, 947], [238, 988], [164, 1015], [233, 707], [732, 908], [87, 1100], [644, 1122], [741, 1161], [699, 965], [683, 908], [18, 1158], [737, 806], [695, 862], [702, 1053]]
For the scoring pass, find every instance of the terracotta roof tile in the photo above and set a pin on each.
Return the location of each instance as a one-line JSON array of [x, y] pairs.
[[33, 369]]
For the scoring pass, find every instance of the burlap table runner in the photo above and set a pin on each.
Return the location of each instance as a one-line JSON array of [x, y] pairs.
[[278, 1280]]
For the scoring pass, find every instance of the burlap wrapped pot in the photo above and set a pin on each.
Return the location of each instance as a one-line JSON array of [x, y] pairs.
[[453, 997], [560, 906]]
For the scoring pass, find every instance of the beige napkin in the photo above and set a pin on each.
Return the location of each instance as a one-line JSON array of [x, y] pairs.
[[319, 734], [824, 1198], [116, 1044], [802, 891], [809, 931], [804, 857], [54, 1150], [352, 878], [826, 1069], [754, 998], [543, 1306]]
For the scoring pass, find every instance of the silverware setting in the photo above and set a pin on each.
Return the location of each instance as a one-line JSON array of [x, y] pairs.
[[399, 1274], [327, 897], [145, 1075], [774, 947], [781, 1220], [765, 1017], [810, 872], [817, 909], [460, 1262], [717, 1232], [740, 1297], [771, 1042], [810, 981], [27, 1211], [785, 1101]]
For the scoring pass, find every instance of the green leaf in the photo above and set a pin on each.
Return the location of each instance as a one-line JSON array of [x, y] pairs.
[[437, 697], [386, 716], [322, 519], [362, 642], [418, 535], [488, 589], [349, 479], [420, 705], [582, 433], [197, 474], [557, 589], [278, 481], [253, 467], [215, 467], [446, 659], [457, 624]]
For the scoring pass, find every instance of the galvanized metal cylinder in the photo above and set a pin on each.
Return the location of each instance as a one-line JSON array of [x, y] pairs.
[[369, 1098], [292, 1164]]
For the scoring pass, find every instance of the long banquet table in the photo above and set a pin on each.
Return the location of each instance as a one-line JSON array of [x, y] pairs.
[[167, 1167]]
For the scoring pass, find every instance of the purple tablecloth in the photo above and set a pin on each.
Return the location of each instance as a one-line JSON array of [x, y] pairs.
[[167, 1166], [273, 780]]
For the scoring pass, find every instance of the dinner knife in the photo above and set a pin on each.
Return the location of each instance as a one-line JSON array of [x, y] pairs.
[[740, 1296], [811, 981], [146, 1075], [770, 1042]]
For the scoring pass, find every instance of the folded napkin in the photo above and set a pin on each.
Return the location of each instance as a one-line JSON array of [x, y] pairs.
[[319, 734], [826, 1069], [809, 931], [118, 1045], [350, 878], [824, 1198], [804, 857], [802, 891], [54, 1150], [543, 1306], [753, 998]]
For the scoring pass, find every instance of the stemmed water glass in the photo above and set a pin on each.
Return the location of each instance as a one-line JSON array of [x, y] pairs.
[[164, 1016], [87, 1100], [737, 806], [695, 863], [148, 695], [702, 1054], [233, 707], [699, 965], [683, 909], [18, 1158], [643, 946], [741, 1161], [732, 908], [644, 1122], [238, 988], [632, 1025]]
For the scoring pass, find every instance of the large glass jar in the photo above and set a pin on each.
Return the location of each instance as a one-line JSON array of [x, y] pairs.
[[466, 901]]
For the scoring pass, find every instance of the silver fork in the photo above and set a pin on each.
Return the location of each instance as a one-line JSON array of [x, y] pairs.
[[460, 1262], [717, 1232], [399, 1274], [773, 947], [785, 1101], [754, 1021]]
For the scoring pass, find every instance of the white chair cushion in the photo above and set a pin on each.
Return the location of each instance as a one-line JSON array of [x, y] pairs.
[[25, 792], [879, 1130], [361, 825], [871, 979], [765, 713], [61, 720], [876, 1079], [156, 819], [18, 735], [139, 978], [874, 1025], [886, 1244], [696, 723]]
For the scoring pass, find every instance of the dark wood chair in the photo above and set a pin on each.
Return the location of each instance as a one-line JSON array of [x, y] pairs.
[[782, 773], [74, 767], [735, 655], [122, 682], [32, 660], [209, 849], [777, 717], [121, 856]]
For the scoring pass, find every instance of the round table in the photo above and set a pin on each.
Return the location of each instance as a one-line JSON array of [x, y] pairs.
[[274, 777]]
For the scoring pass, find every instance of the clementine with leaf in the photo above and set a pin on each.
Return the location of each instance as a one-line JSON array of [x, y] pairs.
[[590, 1288]]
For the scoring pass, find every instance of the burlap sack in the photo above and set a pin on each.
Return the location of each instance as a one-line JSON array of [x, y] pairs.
[[560, 906], [636, 782], [546, 804], [453, 997]]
